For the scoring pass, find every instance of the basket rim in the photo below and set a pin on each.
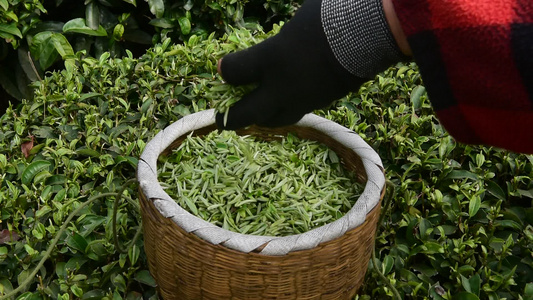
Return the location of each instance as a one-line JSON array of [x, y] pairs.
[[269, 245]]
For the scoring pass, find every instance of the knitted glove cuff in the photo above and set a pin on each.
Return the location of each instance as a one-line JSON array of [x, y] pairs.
[[359, 36]]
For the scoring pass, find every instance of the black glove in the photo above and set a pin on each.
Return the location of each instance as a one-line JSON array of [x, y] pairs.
[[324, 52], [296, 72]]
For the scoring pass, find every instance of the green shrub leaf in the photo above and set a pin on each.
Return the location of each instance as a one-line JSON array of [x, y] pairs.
[[93, 295], [32, 169], [157, 7], [62, 45], [44, 49], [10, 29], [185, 25], [465, 296], [495, 190], [118, 31], [77, 242], [474, 205], [92, 15], [162, 23], [133, 254], [4, 4], [78, 26], [472, 285], [144, 277], [462, 174], [528, 291], [54, 26]]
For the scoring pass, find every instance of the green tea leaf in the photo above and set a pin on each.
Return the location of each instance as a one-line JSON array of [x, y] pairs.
[[39, 231], [144, 277], [4, 4], [62, 45], [10, 29], [495, 190], [32, 169], [119, 282], [118, 31], [528, 291], [133, 254], [474, 205], [6, 285], [162, 23], [3, 253], [471, 285], [185, 25], [433, 247], [475, 284], [88, 152], [77, 242], [90, 223], [402, 70], [465, 296], [44, 49], [86, 96], [507, 224], [78, 26], [92, 15], [462, 174], [93, 295], [75, 263], [76, 290], [191, 205], [215, 6], [526, 193], [157, 7], [12, 15], [146, 105], [416, 95], [388, 264], [50, 26], [30, 250]]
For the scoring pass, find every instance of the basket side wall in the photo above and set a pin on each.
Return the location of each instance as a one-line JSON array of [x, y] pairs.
[[187, 267]]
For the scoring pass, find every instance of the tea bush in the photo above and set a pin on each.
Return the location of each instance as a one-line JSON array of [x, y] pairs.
[[460, 226], [39, 35]]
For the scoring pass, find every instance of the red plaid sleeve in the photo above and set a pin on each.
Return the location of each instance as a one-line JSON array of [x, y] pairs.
[[476, 60]]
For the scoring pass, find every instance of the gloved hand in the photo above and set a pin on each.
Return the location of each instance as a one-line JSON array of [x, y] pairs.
[[296, 72]]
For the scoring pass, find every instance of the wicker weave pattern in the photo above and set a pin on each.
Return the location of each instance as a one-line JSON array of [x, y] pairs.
[[187, 267]]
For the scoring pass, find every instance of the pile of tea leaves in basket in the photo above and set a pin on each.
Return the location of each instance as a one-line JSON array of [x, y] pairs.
[[253, 186]]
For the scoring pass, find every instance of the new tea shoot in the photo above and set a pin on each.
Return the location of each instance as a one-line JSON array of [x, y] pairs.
[[252, 186]]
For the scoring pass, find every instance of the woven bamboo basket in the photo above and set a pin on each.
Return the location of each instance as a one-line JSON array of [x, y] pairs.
[[192, 259]]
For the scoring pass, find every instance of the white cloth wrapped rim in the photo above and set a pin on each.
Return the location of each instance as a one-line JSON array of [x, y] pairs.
[[149, 183]]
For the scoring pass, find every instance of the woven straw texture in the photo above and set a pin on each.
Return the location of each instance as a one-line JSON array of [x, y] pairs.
[[187, 265]]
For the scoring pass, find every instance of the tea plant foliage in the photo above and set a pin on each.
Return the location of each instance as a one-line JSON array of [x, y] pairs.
[[461, 222], [37, 35], [460, 227]]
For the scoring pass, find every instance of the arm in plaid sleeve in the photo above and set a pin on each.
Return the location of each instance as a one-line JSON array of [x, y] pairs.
[[476, 60], [475, 56]]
